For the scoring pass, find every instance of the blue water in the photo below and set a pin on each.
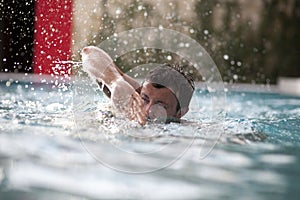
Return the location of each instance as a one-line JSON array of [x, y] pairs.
[[58, 144]]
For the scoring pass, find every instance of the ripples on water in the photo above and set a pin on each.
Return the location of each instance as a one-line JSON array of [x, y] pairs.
[[57, 143]]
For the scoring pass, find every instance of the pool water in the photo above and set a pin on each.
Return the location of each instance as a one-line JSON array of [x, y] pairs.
[[58, 143]]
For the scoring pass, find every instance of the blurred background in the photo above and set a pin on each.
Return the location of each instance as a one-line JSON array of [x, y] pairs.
[[250, 41]]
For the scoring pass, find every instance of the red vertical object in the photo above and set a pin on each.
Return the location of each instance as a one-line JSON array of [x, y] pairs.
[[53, 35]]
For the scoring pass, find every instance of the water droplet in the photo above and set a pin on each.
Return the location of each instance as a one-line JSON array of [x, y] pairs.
[[226, 57], [118, 11], [140, 7], [235, 76], [8, 83]]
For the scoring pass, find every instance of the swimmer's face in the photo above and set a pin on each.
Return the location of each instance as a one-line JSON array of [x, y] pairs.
[[159, 102]]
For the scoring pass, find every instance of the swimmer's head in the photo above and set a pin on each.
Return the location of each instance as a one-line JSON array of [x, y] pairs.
[[167, 86]]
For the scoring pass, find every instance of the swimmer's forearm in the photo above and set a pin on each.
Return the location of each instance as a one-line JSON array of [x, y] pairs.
[[129, 79]]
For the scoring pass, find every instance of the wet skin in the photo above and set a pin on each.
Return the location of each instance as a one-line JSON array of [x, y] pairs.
[[159, 102]]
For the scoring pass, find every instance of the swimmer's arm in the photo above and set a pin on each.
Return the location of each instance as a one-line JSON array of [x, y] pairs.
[[127, 78], [130, 80]]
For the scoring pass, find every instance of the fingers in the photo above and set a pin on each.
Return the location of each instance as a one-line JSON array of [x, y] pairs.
[[137, 109]]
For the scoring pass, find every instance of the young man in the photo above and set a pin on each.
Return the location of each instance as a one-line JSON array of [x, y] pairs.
[[164, 95]]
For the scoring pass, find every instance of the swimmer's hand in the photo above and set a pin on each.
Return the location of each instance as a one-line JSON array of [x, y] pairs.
[[137, 112], [100, 67], [128, 101]]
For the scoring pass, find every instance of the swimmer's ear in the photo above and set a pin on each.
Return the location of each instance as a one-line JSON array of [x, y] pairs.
[[182, 112]]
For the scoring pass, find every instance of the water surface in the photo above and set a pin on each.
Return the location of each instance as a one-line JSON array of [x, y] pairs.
[[57, 143]]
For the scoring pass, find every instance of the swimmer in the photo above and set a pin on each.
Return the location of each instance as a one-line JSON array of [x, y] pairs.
[[165, 94], [100, 67]]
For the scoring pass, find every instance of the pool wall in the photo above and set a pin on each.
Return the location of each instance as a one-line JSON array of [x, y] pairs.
[[288, 85]]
